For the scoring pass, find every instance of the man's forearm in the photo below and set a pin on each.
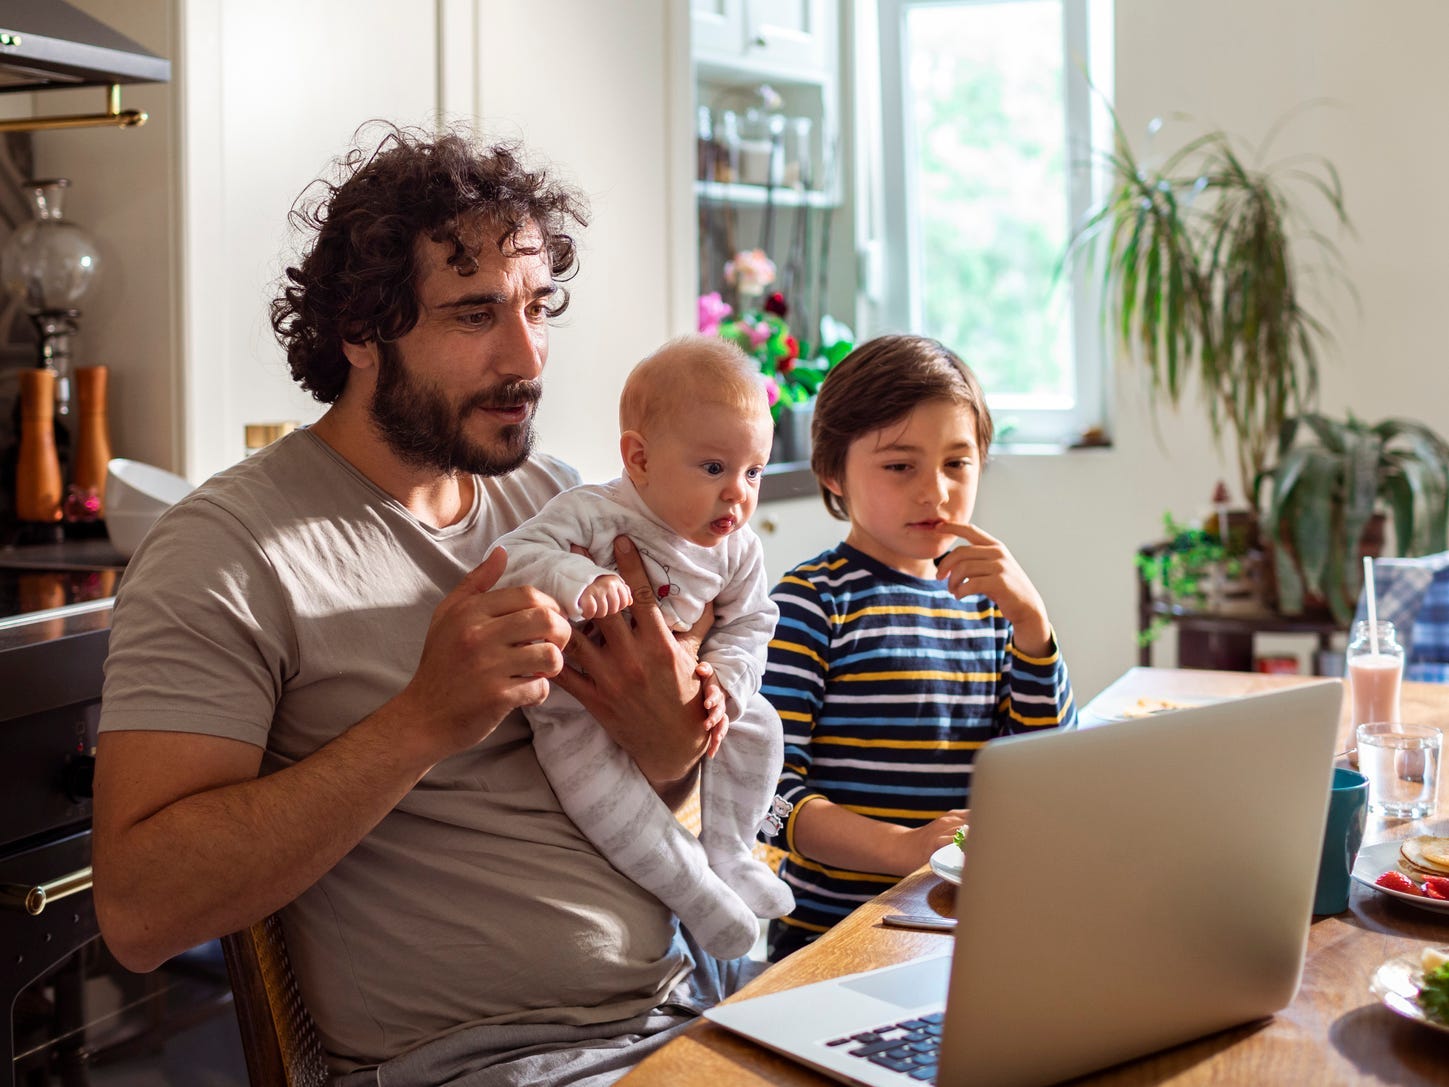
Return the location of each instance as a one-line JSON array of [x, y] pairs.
[[221, 858]]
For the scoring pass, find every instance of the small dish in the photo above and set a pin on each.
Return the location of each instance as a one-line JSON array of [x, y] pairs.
[[947, 863], [1396, 984], [1373, 861], [1092, 715]]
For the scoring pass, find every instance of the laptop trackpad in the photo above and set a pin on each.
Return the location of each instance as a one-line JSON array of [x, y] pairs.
[[909, 985]]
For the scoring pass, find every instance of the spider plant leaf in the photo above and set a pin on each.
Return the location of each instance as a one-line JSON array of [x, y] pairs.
[[1290, 584], [1398, 495], [1311, 529]]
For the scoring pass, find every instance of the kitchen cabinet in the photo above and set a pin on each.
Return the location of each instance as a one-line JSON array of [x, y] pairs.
[[775, 35], [793, 530], [771, 142]]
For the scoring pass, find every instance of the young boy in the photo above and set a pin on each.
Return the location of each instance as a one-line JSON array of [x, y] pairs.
[[899, 651], [696, 434]]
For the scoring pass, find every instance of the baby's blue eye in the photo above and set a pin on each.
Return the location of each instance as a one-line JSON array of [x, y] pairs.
[[755, 473], [714, 468]]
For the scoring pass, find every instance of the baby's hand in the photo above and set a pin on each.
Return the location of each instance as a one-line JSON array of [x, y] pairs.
[[607, 594], [987, 567]]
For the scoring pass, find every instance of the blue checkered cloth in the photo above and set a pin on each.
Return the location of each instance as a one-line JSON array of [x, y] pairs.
[[1413, 594]]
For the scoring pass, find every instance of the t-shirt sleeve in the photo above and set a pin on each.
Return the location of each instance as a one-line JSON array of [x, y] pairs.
[[201, 640], [1037, 692], [795, 676]]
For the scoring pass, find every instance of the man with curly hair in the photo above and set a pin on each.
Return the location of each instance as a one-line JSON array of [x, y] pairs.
[[312, 697]]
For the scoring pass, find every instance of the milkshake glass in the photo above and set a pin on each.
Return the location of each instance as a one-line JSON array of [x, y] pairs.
[[1375, 672]]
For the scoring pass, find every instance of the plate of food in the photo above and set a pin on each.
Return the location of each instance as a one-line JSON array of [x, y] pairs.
[[948, 861], [1093, 714], [1416, 986], [1415, 870]]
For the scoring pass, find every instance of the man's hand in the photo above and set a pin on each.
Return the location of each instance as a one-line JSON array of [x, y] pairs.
[[487, 653], [987, 567], [643, 685]]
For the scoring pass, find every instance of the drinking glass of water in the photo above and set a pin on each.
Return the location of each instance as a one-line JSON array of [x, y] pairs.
[[1401, 762]]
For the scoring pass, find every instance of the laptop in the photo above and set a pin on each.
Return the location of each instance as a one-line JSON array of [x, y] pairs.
[[1126, 888]]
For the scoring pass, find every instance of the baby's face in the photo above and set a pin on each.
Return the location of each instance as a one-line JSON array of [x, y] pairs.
[[704, 471]]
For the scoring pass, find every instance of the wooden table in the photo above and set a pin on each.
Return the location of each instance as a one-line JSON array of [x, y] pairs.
[[1334, 1032]]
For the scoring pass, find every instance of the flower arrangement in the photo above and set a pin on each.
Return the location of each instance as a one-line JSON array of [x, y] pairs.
[[792, 370]]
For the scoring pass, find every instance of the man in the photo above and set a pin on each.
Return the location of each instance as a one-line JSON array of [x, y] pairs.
[[311, 702]]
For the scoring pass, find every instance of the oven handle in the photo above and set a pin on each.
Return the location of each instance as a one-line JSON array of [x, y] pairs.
[[33, 899]]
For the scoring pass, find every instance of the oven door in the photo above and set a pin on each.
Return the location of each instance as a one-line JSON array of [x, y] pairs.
[[76, 1016]]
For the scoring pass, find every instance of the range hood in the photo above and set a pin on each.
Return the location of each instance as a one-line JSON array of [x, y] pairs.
[[47, 44]]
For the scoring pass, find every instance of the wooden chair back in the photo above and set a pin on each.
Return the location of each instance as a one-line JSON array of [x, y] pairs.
[[278, 1036]]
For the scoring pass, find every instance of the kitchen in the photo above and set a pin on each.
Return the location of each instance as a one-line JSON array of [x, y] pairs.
[[190, 213]]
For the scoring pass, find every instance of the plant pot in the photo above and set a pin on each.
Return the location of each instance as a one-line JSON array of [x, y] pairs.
[[792, 434]]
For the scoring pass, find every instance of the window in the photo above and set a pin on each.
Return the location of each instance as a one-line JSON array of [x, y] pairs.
[[988, 124]]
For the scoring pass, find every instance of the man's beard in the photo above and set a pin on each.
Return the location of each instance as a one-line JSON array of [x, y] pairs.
[[425, 430]]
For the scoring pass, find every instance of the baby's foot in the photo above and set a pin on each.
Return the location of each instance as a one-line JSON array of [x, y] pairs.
[[721, 923], [762, 891]]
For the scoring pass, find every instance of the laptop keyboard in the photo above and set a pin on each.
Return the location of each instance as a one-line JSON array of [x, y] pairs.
[[911, 1047]]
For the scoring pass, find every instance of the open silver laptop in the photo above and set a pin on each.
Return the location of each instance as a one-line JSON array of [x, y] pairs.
[[1126, 888]]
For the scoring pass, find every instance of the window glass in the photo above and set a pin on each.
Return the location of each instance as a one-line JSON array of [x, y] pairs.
[[992, 170]]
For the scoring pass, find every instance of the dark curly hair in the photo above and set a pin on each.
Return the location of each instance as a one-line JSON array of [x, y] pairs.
[[356, 281]]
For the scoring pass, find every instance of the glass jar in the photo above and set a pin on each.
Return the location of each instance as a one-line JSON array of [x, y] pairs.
[[1375, 672]]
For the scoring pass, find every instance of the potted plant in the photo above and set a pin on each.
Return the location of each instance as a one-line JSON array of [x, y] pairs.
[[1190, 570], [792, 370], [1330, 483], [1202, 285]]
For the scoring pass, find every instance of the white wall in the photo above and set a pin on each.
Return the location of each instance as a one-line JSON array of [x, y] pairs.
[[599, 91]]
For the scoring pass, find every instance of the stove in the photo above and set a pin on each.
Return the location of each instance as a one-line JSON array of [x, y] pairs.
[[70, 1007]]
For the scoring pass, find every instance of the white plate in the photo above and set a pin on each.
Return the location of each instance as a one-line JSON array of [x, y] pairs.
[[1092, 714], [1396, 983], [1375, 860], [946, 862]]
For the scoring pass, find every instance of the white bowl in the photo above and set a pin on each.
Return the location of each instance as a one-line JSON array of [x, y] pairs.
[[136, 495]]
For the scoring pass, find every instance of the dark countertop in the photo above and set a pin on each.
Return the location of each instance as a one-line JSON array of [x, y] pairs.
[[56, 591], [789, 480]]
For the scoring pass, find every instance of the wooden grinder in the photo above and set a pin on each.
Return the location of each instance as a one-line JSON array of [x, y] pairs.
[[39, 490]]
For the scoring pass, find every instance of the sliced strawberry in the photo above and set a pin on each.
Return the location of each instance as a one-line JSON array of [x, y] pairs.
[[1397, 881], [1436, 887]]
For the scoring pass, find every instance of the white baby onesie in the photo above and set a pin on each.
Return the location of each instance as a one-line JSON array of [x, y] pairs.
[[713, 884]]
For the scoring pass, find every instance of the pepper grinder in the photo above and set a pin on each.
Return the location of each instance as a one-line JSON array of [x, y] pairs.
[[39, 491], [92, 446]]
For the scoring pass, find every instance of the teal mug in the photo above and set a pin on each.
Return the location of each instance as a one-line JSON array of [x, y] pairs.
[[1347, 813]]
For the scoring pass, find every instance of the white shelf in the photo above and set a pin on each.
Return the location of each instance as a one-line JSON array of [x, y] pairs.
[[722, 192]]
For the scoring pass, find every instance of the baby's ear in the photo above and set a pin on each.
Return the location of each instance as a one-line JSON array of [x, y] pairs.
[[635, 453]]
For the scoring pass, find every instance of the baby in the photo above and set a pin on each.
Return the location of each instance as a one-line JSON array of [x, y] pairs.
[[696, 434]]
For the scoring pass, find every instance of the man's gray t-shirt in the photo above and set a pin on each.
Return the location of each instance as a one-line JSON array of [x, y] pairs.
[[287, 599]]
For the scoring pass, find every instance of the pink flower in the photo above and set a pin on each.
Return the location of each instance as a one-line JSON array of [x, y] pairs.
[[760, 334], [712, 310], [750, 270], [772, 390]]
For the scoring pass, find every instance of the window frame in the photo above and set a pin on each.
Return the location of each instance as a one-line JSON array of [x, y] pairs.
[[1087, 63]]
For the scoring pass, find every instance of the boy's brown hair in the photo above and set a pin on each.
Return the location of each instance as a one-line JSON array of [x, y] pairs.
[[878, 384]]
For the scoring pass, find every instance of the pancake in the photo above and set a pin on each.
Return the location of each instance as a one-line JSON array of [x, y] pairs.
[[1426, 853]]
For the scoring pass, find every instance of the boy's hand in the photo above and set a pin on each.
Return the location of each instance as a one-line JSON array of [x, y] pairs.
[[987, 567], [607, 594], [915, 846]]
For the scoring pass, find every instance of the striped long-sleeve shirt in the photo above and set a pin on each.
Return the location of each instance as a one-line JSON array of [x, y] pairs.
[[887, 686]]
